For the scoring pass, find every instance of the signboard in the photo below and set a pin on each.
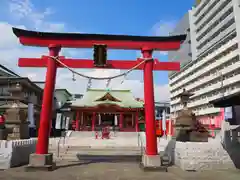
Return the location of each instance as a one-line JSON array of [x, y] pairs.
[[228, 113], [164, 120], [58, 121], [31, 115], [67, 123]]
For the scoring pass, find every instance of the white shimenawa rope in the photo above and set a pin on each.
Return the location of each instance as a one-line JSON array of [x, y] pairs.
[[100, 78]]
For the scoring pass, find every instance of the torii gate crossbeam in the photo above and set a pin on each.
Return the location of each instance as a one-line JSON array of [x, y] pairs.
[[88, 64]]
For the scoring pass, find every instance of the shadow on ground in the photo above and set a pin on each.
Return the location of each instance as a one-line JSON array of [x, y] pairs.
[[85, 159], [231, 144]]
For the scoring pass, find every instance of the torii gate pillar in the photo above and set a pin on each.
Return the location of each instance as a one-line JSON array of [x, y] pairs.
[[47, 102], [151, 138], [42, 158], [151, 158]]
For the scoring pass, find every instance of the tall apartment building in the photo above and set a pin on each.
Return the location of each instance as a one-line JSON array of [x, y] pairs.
[[213, 69], [186, 53]]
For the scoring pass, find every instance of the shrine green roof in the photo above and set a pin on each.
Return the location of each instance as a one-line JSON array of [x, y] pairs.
[[95, 97]]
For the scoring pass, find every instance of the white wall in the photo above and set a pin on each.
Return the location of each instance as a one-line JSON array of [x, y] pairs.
[[16, 153]]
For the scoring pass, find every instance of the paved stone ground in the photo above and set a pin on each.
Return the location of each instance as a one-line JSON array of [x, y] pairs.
[[113, 171]]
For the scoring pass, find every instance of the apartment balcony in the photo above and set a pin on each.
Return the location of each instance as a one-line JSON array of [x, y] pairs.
[[201, 7], [203, 71], [203, 11], [206, 100], [211, 110], [217, 86], [209, 15], [208, 37], [214, 97], [213, 21], [218, 38], [199, 64], [212, 77]]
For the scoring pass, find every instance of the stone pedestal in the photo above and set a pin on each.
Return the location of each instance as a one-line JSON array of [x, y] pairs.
[[3, 134], [42, 162], [196, 136], [152, 163], [16, 124], [17, 131], [199, 156], [182, 134]]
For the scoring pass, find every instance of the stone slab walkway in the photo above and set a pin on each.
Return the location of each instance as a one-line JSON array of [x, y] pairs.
[[113, 171]]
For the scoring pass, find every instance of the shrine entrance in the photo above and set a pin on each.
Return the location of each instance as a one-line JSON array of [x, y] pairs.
[[100, 43], [107, 120]]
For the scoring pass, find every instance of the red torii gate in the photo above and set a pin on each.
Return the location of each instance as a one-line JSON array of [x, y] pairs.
[[54, 41]]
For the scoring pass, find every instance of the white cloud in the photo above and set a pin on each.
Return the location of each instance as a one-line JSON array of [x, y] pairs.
[[7, 40], [11, 50], [25, 10], [163, 28], [136, 86]]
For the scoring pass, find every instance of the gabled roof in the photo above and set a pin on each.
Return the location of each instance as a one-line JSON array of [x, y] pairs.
[[63, 90], [6, 72], [108, 97], [6, 105], [96, 97]]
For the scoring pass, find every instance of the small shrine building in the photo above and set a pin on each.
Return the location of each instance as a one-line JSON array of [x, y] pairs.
[[117, 109]]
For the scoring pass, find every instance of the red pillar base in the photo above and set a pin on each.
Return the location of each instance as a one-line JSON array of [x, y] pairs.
[[153, 163], [40, 162]]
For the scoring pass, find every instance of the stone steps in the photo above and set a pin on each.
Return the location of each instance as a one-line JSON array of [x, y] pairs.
[[85, 134], [77, 153], [121, 145], [100, 150], [94, 157], [102, 153]]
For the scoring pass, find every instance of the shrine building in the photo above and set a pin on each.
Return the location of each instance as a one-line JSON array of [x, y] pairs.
[[117, 109]]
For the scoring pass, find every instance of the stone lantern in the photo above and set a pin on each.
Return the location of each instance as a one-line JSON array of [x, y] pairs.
[[185, 125], [16, 115], [184, 97], [185, 116]]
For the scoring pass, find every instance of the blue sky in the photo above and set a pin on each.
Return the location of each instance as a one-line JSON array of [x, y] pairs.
[[133, 17]]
